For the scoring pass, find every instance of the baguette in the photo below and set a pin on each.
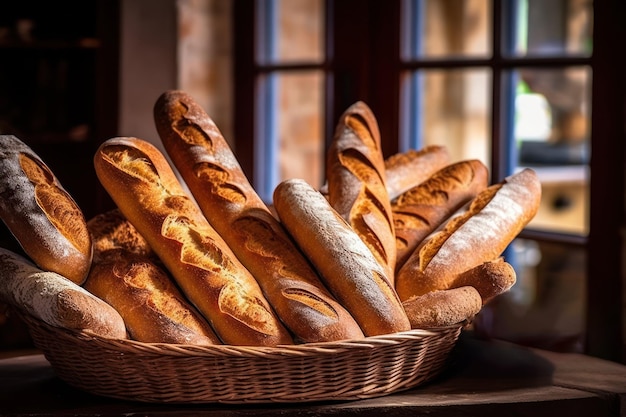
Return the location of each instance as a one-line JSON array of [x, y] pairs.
[[43, 217], [346, 265], [355, 172], [54, 299], [442, 307], [152, 307], [406, 170], [494, 218], [422, 209], [143, 185], [229, 202]]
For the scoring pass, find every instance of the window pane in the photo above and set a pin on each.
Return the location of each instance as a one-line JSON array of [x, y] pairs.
[[552, 126], [447, 28], [290, 143], [554, 27], [451, 108], [291, 31]]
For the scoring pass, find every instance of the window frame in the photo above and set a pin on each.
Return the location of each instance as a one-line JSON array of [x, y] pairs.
[[363, 43]]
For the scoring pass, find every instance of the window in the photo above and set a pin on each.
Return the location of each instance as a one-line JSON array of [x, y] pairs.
[[511, 83]]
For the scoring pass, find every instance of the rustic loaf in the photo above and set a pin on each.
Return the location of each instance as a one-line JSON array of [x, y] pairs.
[[43, 217], [211, 171], [54, 299]]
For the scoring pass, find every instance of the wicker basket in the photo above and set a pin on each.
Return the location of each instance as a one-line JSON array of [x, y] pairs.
[[167, 373]]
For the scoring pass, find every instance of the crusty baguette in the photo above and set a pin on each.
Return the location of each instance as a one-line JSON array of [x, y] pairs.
[[143, 185], [151, 305], [344, 262], [357, 190], [229, 202], [43, 217], [490, 278], [422, 209], [408, 169], [494, 218], [55, 299], [442, 307]]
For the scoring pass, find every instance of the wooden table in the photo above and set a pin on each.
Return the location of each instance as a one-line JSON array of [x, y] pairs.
[[485, 378]]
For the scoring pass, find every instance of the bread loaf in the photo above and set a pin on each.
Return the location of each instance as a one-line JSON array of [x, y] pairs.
[[152, 307], [54, 299], [43, 217], [143, 185], [346, 265], [210, 169], [494, 218], [355, 172], [408, 169], [442, 307], [422, 209]]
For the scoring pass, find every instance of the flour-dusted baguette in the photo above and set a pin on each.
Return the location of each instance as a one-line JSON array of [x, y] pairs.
[[211, 171], [144, 187], [442, 307], [408, 169], [43, 217], [151, 305], [494, 218], [55, 299], [422, 209], [357, 190], [344, 262]]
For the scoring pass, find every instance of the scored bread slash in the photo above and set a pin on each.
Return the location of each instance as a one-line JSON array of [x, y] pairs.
[[54, 299], [229, 202], [494, 218], [41, 214], [343, 260], [143, 185]]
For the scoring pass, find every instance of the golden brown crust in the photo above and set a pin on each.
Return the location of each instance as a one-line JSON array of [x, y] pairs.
[[491, 278], [54, 299], [43, 217], [422, 209], [112, 232], [152, 307], [357, 190], [494, 218], [406, 170], [145, 188], [344, 262], [443, 307], [234, 209]]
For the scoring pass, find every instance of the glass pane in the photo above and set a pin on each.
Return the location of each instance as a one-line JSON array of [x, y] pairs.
[[291, 31], [554, 27], [451, 108], [291, 142], [447, 28], [552, 126], [546, 306]]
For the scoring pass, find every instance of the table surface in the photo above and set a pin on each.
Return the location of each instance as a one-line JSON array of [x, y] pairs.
[[484, 378]]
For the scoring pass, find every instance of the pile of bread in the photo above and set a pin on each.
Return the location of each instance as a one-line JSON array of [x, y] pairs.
[[386, 245]]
